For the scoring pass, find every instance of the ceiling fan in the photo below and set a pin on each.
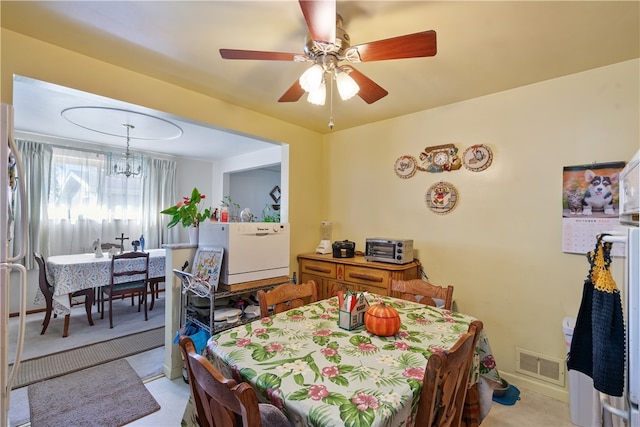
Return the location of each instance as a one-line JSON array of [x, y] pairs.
[[328, 45]]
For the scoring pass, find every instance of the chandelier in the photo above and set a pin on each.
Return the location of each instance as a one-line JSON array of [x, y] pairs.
[[128, 164]]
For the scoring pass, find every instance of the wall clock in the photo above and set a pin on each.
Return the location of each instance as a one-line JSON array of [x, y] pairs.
[[406, 166], [477, 157], [440, 158], [441, 197]]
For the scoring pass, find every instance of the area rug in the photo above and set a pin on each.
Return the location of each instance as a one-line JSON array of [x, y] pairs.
[[65, 362], [109, 395]]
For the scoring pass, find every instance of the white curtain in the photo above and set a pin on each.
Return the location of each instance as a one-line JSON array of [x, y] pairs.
[[36, 161], [159, 193]]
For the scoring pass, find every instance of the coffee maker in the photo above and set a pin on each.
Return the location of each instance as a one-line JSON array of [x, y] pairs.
[[325, 243]]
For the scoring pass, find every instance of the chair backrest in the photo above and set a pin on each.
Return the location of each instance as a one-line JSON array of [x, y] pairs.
[[410, 290], [445, 384], [218, 399], [287, 296], [133, 269], [42, 277]]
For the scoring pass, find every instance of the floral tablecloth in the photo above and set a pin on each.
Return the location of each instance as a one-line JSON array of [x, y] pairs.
[[322, 375], [71, 273]]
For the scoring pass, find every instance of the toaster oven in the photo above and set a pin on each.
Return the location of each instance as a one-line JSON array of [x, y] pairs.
[[395, 251]]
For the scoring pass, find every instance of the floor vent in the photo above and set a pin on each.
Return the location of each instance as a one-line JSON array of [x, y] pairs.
[[540, 366]]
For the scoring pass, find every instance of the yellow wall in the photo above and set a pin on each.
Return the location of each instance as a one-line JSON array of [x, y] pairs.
[[501, 246], [35, 59]]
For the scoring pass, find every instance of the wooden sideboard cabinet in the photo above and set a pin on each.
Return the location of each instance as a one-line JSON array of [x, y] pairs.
[[357, 274]]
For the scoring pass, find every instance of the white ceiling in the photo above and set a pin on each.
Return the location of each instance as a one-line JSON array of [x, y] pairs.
[[38, 107], [483, 47]]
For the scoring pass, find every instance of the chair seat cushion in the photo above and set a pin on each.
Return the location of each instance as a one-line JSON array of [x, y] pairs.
[[271, 416], [127, 286]]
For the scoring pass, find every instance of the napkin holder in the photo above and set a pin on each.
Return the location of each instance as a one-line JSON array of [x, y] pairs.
[[352, 307]]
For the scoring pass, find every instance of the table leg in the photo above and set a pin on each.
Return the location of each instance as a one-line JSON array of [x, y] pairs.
[[65, 331]]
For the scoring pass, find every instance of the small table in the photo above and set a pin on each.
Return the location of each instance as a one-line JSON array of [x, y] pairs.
[[302, 362], [71, 273]]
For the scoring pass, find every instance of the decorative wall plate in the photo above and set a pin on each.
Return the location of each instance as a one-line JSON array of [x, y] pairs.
[[442, 197], [406, 166], [477, 157]]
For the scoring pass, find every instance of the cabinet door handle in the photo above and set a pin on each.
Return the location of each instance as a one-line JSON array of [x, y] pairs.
[[318, 269], [366, 277]]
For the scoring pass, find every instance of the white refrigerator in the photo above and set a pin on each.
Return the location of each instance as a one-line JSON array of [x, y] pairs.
[[629, 412], [10, 256]]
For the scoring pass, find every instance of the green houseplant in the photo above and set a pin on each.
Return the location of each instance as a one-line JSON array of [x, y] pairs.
[[188, 211]]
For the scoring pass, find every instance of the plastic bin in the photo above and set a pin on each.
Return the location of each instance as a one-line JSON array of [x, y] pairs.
[[584, 400]]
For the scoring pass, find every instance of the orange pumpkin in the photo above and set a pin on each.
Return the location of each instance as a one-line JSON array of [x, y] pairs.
[[382, 320]]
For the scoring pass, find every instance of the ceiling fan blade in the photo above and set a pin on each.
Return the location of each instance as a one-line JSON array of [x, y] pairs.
[[416, 45], [321, 19], [260, 55], [369, 91], [293, 93]]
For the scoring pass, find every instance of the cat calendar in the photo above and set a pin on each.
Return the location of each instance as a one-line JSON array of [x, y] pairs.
[[590, 206]]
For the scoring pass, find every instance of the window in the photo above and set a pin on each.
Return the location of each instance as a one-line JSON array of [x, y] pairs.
[[80, 189]]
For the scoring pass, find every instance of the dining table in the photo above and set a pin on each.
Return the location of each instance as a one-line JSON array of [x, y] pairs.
[[320, 375], [71, 273]]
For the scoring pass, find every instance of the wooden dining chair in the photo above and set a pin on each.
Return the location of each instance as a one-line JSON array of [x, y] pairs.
[[287, 296], [419, 290], [125, 266], [47, 291], [221, 401], [446, 381]]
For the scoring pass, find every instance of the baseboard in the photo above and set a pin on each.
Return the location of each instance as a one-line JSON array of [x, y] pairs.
[[42, 310], [536, 386]]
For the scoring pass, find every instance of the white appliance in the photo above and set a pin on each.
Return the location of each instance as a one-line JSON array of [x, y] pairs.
[[629, 211], [252, 250], [9, 157], [324, 247]]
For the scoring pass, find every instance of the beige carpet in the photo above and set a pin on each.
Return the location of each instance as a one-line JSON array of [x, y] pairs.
[[64, 362], [108, 395]]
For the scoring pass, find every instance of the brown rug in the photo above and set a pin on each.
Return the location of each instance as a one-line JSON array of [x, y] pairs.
[[109, 395], [65, 362]]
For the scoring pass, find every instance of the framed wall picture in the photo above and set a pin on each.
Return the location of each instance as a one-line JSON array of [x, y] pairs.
[[207, 264]]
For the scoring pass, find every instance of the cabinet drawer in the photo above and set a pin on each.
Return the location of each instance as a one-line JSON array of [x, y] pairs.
[[366, 276], [372, 289], [318, 268], [334, 287]]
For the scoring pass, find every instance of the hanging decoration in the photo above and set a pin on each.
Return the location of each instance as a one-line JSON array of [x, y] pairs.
[[442, 197], [444, 158], [406, 166], [477, 157], [440, 158]]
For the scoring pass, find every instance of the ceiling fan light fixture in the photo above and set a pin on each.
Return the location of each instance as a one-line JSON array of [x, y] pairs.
[[347, 87], [311, 79], [319, 95]]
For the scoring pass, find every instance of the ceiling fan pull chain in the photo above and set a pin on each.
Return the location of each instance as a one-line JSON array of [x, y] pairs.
[[331, 104]]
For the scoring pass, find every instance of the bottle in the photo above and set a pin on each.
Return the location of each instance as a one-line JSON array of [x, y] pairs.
[[141, 242], [224, 214]]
